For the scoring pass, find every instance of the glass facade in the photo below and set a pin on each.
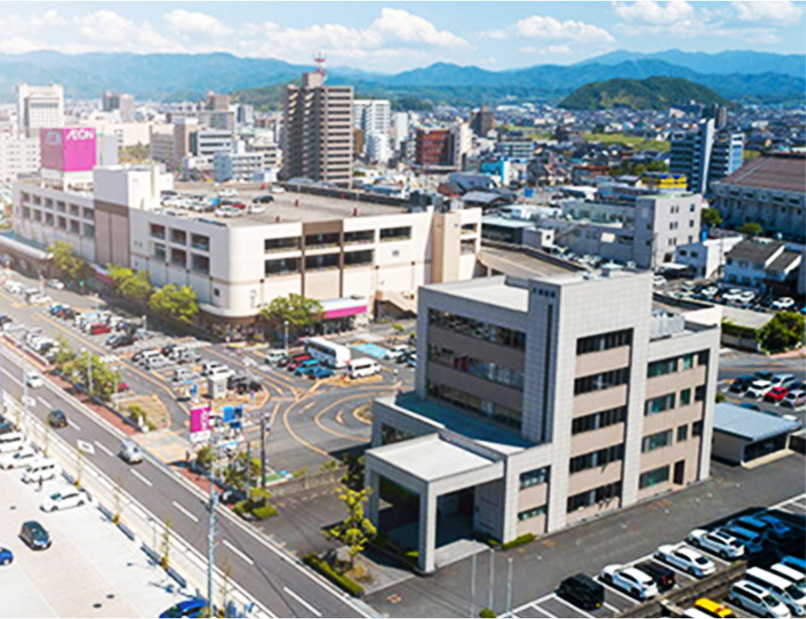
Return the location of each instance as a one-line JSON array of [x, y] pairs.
[[656, 441], [476, 405], [494, 372], [653, 477], [534, 478], [477, 329], [604, 341]]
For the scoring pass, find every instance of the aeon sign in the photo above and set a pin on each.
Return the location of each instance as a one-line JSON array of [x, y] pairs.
[[69, 149]]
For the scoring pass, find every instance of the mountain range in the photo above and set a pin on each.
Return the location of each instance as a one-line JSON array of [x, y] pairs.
[[743, 76], [653, 93]]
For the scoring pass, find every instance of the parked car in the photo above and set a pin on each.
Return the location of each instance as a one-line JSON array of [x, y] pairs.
[[753, 542], [740, 384], [794, 399], [394, 353], [783, 303], [782, 380], [686, 559], [99, 328], [274, 356], [776, 394], [6, 556], [662, 575], [55, 284], [630, 580], [11, 442], [758, 389], [319, 372], [19, 459], [778, 529], [303, 368], [760, 602], [210, 367], [296, 361], [263, 199], [194, 607], [41, 469], [763, 375], [35, 535], [57, 419], [65, 499], [717, 542], [582, 591], [713, 609]]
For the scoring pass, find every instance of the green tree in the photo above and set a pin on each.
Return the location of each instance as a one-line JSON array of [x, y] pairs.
[[300, 313], [204, 458], [105, 380], [235, 473], [658, 166], [751, 229], [65, 357], [179, 303], [710, 217], [118, 274], [356, 530], [137, 287], [69, 262], [784, 331]]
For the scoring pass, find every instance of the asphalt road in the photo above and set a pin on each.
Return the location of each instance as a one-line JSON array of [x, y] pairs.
[[267, 573]]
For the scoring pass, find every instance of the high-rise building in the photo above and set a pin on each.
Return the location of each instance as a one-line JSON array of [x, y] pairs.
[[377, 147], [482, 121], [372, 115], [39, 107], [541, 403], [442, 148], [121, 102], [400, 129], [318, 131], [705, 155]]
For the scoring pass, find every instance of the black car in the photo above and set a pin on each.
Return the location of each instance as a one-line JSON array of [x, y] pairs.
[[57, 419], [262, 199], [763, 375], [663, 576], [120, 339], [582, 591], [6, 427], [4, 320], [740, 384], [35, 535]]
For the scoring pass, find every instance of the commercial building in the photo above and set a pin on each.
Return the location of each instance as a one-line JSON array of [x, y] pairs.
[[39, 107], [770, 191], [515, 148], [318, 131], [377, 147], [742, 435], [764, 265], [208, 142], [400, 129], [442, 149], [375, 256], [119, 102], [705, 155], [540, 403], [240, 166], [706, 258], [18, 155]]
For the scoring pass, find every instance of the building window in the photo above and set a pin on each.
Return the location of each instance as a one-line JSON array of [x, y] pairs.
[[696, 428], [284, 266], [532, 513], [329, 239], [682, 434], [483, 408], [158, 252], [49, 219], [662, 367], [602, 419], [321, 262], [75, 227], [656, 441], [653, 477], [685, 397], [534, 477], [284, 244], [74, 211], [594, 496], [603, 380], [89, 230], [200, 242], [359, 236], [477, 329], [216, 292], [87, 213], [699, 393], [358, 258], [179, 257], [660, 404], [396, 234], [157, 231], [390, 434], [199, 263], [604, 341], [469, 227], [467, 247], [703, 357], [179, 237], [62, 223], [494, 372], [600, 457]]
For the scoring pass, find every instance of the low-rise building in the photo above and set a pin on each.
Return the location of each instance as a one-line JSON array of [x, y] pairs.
[[540, 403], [742, 435], [240, 166], [766, 266], [18, 155], [706, 258]]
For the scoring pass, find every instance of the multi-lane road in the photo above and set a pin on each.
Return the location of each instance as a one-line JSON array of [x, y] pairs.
[[271, 576]]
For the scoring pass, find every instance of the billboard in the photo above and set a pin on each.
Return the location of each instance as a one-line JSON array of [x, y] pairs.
[[200, 424], [68, 149]]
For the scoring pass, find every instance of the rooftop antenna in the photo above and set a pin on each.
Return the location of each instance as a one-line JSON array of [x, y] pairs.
[[319, 59]]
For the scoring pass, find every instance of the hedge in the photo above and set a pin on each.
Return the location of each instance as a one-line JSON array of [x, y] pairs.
[[326, 570], [486, 613], [263, 512], [526, 538], [730, 328]]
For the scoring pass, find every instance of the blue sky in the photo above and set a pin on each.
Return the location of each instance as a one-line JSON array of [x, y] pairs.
[[394, 36]]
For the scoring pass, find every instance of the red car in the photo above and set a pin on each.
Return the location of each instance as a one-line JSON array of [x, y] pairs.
[[297, 361], [97, 329], [776, 394]]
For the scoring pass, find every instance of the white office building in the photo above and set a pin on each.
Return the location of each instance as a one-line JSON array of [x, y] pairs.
[[372, 115], [377, 145], [18, 155], [400, 129], [240, 166], [39, 107], [208, 142]]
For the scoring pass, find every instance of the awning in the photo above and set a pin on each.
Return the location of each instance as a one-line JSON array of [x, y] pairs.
[[343, 307], [22, 247]]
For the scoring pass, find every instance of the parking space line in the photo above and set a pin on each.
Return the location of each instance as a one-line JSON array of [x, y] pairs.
[[787, 501], [184, 511], [239, 553], [572, 607], [543, 610], [618, 592], [141, 478], [612, 609]]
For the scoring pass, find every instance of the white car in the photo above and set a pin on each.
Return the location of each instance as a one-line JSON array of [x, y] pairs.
[[65, 499], [33, 380], [630, 580], [19, 459], [659, 281], [758, 389], [55, 284], [686, 559], [257, 209], [394, 353], [718, 542], [710, 291], [228, 193], [783, 303]]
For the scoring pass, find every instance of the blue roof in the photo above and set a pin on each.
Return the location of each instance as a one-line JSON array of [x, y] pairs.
[[749, 424]]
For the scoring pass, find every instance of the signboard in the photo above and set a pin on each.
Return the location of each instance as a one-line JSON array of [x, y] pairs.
[[200, 424], [68, 149]]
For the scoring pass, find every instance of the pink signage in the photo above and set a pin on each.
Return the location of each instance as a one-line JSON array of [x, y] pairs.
[[199, 419], [346, 311], [68, 149]]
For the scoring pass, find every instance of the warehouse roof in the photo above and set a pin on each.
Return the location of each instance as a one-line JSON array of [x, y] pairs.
[[749, 424], [782, 172]]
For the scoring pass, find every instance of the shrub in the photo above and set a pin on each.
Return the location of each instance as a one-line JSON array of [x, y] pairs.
[[264, 511], [526, 538], [300, 472], [326, 570], [719, 397], [486, 613], [493, 543]]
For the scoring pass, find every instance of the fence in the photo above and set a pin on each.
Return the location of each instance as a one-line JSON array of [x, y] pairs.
[[308, 481]]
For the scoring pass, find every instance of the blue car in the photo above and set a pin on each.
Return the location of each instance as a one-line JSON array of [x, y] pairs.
[[194, 607], [6, 556], [55, 309], [795, 563], [319, 372], [306, 366], [753, 542], [778, 529]]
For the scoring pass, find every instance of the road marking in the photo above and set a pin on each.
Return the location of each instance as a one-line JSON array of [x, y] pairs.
[[141, 478], [612, 609], [72, 423], [239, 553], [104, 449], [46, 403], [184, 511], [86, 447], [576, 608], [301, 601], [543, 610], [787, 501]]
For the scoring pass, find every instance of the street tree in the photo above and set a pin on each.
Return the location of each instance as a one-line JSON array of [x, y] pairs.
[[751, 229], [783, 332], [299, 312], [130, 284], [710, 217], [356, 530], [69, 262], [178, 303]]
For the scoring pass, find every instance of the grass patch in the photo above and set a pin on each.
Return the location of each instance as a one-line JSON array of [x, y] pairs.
[[634, 142], [340, 580]]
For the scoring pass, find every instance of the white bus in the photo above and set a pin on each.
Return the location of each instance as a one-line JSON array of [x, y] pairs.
[[330, 354]]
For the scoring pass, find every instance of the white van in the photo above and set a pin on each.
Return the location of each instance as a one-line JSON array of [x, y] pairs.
[[146, 356], [360, 368], [12, 441], [784, 591], [274, 355], [42, 470], [758, 601], [790, 574]]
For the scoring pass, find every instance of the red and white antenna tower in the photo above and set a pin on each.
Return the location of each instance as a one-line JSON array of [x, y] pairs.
[[319, 59]]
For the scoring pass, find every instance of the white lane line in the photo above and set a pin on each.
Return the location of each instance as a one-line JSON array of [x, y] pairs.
[[103, 448], [184, 511], [789, 500], [141, 478], [45, 402], [301, 601], [540, 609], [612, 609], [572, 607], [239, 553], [72, 423]]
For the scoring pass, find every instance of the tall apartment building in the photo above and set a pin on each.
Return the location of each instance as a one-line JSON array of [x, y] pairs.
[[39, 107], [18, 155], [482, 121], [121, 102], [541, 403], [705, 155], [372, 115], [446, 148], [318, 131], [377, 147], [400, 129]]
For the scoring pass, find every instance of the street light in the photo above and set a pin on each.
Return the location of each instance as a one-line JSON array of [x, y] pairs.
[[285, 327]]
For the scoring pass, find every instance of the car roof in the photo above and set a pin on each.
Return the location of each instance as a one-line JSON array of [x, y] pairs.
[[637, 574]]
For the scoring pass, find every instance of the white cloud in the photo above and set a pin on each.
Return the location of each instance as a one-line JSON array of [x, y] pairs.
[[551, 29], [196, 23], [105, 27], [781, 12], [651, 12], [549, 50], [402, 26]]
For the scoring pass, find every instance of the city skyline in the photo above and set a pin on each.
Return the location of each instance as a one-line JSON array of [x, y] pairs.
[[395, 36]]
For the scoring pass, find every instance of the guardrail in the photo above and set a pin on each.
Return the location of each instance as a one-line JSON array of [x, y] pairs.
[[185, 565]]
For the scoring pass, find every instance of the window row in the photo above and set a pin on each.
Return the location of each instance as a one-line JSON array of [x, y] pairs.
[[179, 257], [600, 457], [675, 364], [532, 513], [656, 441], [604, 341], [653, 477], [602, 380], [534, 477], [476, 405], [594, 496], [477, 329], [668, 401], [602, 419], [487, 370], [179, 237], [61, 207]]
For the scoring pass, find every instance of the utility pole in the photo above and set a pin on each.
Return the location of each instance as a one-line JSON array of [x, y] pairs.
[[211, 525], [285, 328], [248, 463], [89, 373], [25, 399], [263, 424]]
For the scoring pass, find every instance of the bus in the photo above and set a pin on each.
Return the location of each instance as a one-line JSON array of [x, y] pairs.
[[329, 353]]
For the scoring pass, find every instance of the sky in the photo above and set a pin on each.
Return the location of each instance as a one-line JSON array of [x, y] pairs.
[[396, 36]]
